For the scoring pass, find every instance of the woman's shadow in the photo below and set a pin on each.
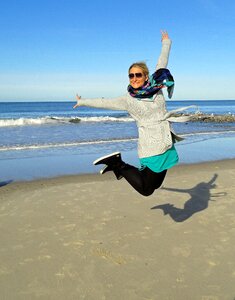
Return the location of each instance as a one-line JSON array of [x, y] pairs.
[[200, 197]]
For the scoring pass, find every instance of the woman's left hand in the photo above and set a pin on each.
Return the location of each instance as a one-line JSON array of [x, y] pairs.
[[78, 98]]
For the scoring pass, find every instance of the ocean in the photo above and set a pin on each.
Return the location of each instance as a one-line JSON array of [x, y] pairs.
[[47, 139]]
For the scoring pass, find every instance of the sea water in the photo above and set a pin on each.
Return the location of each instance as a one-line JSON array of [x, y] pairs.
[[44, 139]]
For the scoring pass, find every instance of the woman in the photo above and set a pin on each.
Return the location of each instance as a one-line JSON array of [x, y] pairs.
[[146, 104]]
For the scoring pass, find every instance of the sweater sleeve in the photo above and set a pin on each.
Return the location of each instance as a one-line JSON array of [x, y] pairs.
[[118, 103], [164, 55]]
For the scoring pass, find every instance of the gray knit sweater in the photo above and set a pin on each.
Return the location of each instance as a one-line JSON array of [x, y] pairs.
[[153, 126]]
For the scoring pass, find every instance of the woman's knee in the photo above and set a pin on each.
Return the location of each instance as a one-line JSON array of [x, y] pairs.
[[149, 190], [158, 185], [146, 193]]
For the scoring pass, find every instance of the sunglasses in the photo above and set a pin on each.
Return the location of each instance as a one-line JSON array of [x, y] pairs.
[[137, 75]]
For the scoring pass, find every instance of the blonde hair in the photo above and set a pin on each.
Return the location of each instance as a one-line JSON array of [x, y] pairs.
[[142, 65]]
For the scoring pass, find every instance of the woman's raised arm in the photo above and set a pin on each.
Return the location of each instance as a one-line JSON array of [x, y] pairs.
[[165, 51]]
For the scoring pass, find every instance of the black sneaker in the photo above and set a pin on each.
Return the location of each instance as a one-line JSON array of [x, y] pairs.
[[108, 159], [109, 168], [106, 169]]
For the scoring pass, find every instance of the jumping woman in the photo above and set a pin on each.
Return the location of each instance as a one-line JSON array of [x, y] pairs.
[[145, 103]]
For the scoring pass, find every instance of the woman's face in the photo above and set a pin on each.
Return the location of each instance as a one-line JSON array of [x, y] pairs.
[[137, 77]]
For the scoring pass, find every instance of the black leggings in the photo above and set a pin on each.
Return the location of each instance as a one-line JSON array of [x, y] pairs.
[[144, 181]]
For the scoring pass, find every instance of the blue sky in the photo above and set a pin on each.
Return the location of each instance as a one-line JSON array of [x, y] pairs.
[[51, 50]]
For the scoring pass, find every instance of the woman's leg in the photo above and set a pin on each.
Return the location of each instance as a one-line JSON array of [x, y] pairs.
[[144, 181]]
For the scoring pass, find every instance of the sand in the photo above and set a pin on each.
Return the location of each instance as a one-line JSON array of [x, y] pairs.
[[93, 237]]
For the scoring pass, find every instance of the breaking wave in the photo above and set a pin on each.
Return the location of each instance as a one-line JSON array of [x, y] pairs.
[[58, 120], [198, 117]]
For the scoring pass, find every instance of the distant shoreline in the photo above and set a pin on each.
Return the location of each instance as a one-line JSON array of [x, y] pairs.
[[73, 101]]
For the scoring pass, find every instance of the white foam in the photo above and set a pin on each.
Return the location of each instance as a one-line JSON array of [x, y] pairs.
[[25, 121], [59, 145], [82, 143]]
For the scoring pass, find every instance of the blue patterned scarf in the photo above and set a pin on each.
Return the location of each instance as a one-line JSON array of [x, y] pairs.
[[158, 80]]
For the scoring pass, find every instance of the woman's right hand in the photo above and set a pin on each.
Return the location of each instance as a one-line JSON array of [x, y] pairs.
[[78, 98], [165, 35]]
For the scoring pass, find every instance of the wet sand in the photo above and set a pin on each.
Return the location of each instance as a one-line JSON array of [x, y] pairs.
[[93, 237]]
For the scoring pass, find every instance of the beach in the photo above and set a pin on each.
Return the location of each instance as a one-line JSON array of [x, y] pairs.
[[93, 237]]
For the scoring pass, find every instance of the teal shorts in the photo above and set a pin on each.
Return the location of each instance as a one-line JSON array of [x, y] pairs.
[[161, 162]]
